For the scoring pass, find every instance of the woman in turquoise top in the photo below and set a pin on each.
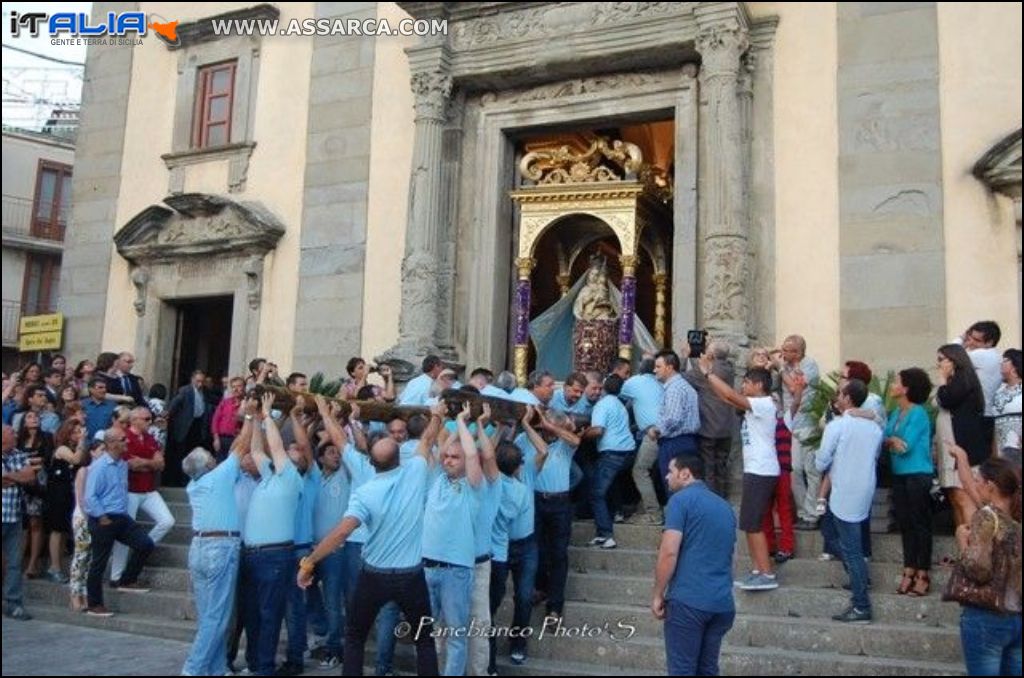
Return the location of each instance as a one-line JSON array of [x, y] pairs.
[[908, 437]]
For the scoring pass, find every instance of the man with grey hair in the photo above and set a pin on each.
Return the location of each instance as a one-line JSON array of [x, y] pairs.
[[214, 552], [540, 387], [717, 417], [794, 366]]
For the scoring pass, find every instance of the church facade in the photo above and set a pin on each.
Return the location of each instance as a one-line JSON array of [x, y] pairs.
[[849, 172]]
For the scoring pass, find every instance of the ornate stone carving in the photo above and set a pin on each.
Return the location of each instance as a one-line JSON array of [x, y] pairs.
[[564, 166], [600, 84], [720, 47], [200, 224], [140, 279], [557, 21], [432, 90], [252, 267], [419, 297], [725, 280]]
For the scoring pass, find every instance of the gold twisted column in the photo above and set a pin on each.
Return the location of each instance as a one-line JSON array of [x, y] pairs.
[[660, 306]]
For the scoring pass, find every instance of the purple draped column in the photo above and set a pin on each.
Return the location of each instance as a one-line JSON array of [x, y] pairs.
[[628, 306], [524, 265]]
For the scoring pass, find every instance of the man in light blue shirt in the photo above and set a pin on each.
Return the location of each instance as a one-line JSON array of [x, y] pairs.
[[643, 392], [553, 508], [417, 391], [540, 387], [515, 550], [616, 450], [490, 503], [849, 452], [267, 558], [391, 505], [106, 502], [214, 552], [449, 547], [569, 399]]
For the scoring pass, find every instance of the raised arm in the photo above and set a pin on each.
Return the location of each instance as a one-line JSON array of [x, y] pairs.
[[389, 383], [474, 474], [259, 455], [488, 457], [721, 389], [300, 431], [274, 443], [429, 437], [335, 431], [538, 443], [244, 440], [565, 434]]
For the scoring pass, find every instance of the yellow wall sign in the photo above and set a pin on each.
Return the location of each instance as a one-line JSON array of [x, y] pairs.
[[52, 322], [42, 341]]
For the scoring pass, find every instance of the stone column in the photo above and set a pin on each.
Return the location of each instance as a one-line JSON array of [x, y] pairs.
[[423, 248], [660, 297], [722, 41], [628, 305], [524, 265]]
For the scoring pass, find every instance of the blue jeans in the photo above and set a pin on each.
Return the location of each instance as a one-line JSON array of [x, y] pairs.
[[553, 528], [991, 642], [670, 448], [831, 539], [213, 566], [522, 563], [331, 571], [451, 596], [267, 577], [609, 466], [295, 613], [848, 536], [12, 554], [693, 639]]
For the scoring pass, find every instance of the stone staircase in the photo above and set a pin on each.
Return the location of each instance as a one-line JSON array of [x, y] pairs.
[[608, 628]]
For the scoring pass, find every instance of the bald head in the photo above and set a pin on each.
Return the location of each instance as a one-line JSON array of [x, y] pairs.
[[384, 454]]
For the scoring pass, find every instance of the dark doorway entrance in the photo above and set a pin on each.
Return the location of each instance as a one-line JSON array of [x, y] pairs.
[[202, 339]]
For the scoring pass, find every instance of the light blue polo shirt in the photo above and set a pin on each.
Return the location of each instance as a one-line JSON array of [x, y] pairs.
[[417, 391], [522, 523], [361, 471], [274, 503], [490, 502], [516, 506], [331, 502], [391, 507], [212, 498], [307, 505], [610, 414], [452, 507], [244, 487], [582, 407], [521, 395], [494, 392], [645, 393], [556, 468], [408, 449]]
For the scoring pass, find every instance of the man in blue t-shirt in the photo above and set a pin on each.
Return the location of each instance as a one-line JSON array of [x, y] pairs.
[[616, 448], [693, 577]]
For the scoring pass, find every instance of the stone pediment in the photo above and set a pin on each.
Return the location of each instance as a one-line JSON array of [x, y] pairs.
[[198, 224], [1000, 167]]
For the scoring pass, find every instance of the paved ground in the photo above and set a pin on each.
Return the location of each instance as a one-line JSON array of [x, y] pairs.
[[36, 648]]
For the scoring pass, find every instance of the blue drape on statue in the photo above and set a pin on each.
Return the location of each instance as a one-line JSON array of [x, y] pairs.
[[552, 332]]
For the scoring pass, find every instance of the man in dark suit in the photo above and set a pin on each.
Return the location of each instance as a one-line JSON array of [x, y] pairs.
[[188, 424], [122, 382]]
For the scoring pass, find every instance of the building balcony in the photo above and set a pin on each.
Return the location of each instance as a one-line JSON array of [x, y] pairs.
[[12, 317], [20, 231]]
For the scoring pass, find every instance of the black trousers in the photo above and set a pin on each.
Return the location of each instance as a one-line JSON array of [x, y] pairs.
[[910, 498], [375, 588], [122, 529]]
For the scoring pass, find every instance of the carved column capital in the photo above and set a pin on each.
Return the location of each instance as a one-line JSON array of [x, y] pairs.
[[432, 90], [629, 262], [721, 45], [524, 266]]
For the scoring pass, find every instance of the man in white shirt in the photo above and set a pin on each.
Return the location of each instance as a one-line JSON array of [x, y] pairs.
[[981, 340]]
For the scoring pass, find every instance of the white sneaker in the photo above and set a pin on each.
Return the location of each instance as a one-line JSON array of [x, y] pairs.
[[825, 557], [608, 543], [597, 541]]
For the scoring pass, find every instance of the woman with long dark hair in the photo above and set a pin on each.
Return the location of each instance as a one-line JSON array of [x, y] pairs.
[[989, 565], [36, 443], [60, 493], [961, 420]]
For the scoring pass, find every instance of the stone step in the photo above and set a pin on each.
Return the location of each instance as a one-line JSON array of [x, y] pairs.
[[171, 606], [898, 640], [810, 572], [885, 547], [791, 599]]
